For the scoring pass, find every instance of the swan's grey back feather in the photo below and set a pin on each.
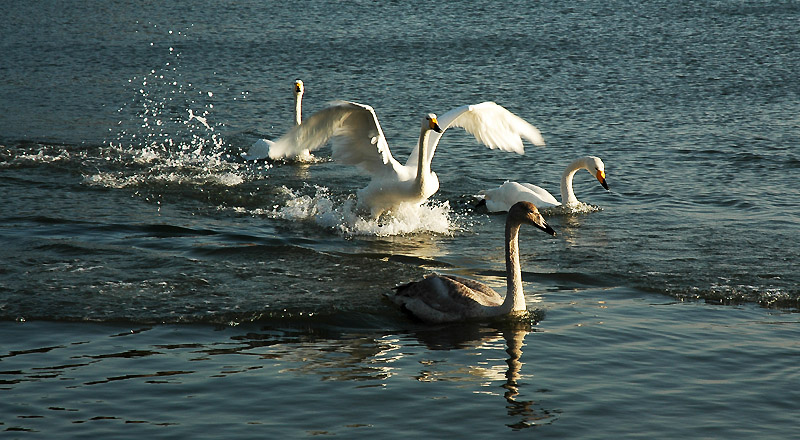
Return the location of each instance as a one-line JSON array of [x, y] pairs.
[[442, 298]]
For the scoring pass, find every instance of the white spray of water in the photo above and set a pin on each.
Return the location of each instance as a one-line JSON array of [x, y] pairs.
[[344, 217], [156, 143]]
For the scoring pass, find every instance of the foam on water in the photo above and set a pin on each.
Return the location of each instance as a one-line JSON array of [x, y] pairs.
[[343, 216], [122, 180], [580, 208]]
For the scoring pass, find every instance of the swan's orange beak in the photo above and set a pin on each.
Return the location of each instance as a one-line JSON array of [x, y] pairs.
[[434, 124], [298, 86], [601, 177]]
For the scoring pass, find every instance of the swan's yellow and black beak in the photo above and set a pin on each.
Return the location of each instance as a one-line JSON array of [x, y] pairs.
[[298, 86], [434, 124], [601, 177]]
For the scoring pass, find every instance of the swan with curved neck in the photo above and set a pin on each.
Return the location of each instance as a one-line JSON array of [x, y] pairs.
[[357, 139], [502, 198], [260, 148], [444, 298]]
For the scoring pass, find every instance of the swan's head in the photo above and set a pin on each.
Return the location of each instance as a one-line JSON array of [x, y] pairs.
[[298, 87], [526, 212], [431, 123], [595, 166]]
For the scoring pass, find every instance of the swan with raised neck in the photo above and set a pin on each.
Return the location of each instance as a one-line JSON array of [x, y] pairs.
[[503, 197], [299, 88], [444, 298], [429, 123]]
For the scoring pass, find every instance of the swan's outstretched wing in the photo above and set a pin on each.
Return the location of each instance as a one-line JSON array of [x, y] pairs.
[[354, 132], [491, 124], [312, 134], [359, 141]]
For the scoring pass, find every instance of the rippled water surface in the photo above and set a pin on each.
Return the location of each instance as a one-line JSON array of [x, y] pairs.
[[155, 283]]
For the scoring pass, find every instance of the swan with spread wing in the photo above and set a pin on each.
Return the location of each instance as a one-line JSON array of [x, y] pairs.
[[357, 139]]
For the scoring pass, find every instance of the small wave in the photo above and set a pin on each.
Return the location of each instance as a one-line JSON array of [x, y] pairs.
[[580, 208], [729, 294], [33, 154], [343, 215], [110, 179]]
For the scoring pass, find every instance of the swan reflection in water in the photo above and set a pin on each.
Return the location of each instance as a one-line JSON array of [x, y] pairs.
[[464, 353], [512, 332]]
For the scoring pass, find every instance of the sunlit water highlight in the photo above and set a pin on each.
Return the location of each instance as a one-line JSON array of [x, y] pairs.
[[156, 284]]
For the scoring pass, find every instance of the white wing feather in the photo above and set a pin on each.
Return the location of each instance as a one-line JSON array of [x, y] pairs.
[[355, 134], [360, 141], [490, 123]]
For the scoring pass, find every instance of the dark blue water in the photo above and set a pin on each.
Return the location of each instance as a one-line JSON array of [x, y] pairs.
[[154, 283]]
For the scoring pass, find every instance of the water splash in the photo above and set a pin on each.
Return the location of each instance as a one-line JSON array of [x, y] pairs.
[[166, 134], [343, 215]]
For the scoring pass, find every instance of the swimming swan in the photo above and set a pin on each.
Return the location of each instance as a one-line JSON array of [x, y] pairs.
[[260, 148], [357, 139], [500, 199], [444, 298]]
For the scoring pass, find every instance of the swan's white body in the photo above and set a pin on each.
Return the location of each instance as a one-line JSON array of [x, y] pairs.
[[502, 198], [260, 148], [442, 298], [357, 139]]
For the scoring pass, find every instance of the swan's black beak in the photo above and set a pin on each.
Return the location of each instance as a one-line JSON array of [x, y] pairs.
[[601, 177], [546, 228], [434, 124]]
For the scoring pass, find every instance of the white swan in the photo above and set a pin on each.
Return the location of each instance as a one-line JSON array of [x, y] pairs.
[[500, 199], [260, 148], [357, 139], [443, 298]]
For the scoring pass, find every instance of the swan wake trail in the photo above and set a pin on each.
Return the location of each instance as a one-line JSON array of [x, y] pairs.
[[327, 211]]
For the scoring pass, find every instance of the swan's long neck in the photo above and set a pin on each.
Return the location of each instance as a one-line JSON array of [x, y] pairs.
[[567, 195], [515, 298], [423, 166], [298, 108]]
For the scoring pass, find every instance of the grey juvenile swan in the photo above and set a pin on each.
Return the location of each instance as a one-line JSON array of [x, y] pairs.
[[444, 298]]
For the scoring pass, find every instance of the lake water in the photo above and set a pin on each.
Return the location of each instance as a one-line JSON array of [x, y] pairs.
[[153, 283]]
